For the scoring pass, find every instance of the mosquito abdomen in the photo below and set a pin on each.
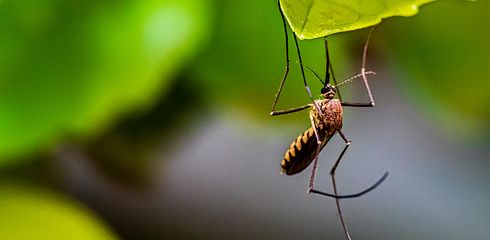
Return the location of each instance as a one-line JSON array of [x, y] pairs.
[[300, 153]]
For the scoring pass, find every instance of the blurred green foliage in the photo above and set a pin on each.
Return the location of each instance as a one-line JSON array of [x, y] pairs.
[[311, 19], [27, 212], [442, 58], [73, 67], [81, 68]]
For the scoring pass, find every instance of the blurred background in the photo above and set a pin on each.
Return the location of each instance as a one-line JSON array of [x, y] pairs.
[[150, 120]]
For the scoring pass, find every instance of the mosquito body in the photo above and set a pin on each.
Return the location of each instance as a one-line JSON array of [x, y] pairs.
[[326, 117], [304, 148]]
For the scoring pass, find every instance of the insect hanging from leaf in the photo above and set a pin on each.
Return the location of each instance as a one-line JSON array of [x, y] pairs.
[[326, 117]]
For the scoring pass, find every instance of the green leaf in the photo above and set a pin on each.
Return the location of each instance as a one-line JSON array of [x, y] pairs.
[[27, 212], [71, 68], [311, 19]]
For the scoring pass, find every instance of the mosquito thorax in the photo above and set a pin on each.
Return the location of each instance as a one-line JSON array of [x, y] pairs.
[[328, 92]]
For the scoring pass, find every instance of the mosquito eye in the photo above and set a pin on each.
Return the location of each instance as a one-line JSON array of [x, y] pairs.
[[324, 90]]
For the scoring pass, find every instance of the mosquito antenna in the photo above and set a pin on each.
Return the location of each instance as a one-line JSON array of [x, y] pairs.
[[348, 80], [316, 74]]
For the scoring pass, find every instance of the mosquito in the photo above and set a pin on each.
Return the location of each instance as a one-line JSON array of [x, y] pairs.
[[326, 116]]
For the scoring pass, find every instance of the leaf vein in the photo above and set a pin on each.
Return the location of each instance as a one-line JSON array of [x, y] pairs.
[[308, 10]]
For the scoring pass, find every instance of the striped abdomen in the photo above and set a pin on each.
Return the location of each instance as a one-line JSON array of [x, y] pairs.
[[302, 151]]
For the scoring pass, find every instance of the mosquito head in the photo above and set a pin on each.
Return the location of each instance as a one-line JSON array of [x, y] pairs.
[[328, 92]]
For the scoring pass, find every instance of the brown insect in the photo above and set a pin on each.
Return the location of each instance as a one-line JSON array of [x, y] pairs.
[[306, 146], [326, 120]]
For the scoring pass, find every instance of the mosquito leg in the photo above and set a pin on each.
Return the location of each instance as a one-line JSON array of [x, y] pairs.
[[332, 174], [290, 110], [369, 189], [313, 125], [357, 104], [329, 66], [317, 153], [286, 71], [363, 74], [313, 171], [304, 77], [361, 104], [363, 68], [315, 167]]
